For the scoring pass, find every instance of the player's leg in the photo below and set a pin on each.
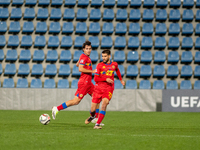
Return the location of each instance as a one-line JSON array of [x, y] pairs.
[[97, 115], [92, 113]]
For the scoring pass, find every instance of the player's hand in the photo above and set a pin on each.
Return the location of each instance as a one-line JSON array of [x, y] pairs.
[[122, 82], [77, 64], [93, 71], [109, 80]]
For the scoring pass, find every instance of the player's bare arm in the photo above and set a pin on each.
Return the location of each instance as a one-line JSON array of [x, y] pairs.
[[82, 69], [109, 80], [77, 64], [122, 82]]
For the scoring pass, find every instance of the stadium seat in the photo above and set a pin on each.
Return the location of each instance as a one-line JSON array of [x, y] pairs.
[[198, 15], [145, 84], [56, 13], [136, 3], [175, 3], [186, 57], [74, 84], [64, 70], [108, 14], [172, 84], [186, 85], [132, 71], [161, 29], [22, 83], [65, 56], [81, 28], [106, 42], [31, 2], [13, 41], [148, 3], [26, 41], [56, 2], [8, 83], [5, 2], [131, 84], [187, 43], [96, 3], [23, 70], [122, 3], [17, 2], [197, 3], [1, 69], [95, 14], [162, 3], [147, 28], [121, 69], [174, 15], [197, 43], [146, 57], [66, 41], [187, 29], [25, 55], [134, 15], [197, 29], [10, 70], [109, 3], [40, 41], [29, 13], [37, 70], [186, 71], [69, 14], [173, 43], [83, 3], [63, 84], [159, 57], [50, 70], [28, 27], [173, 57], [120, 42], [70, 2], [118, 84], [187, 15], [77, 55], [94, 28], [75, 71], [132, 56], [197, 57], [172, 71], [94, 41], [188, 3], [53, 41], [197, 71], [161, 15], [16, 13], [197, 85], [94, 56], [108, 28], [4, 13], [93, 67], [36, 83], [14, 27], [79, 40], [82, 14], [43, 2], [133, 42], [3, 26], [42, 13], [147, 42], [174, 29], [148, 15], [41, 27], [159, 71], [160, 43], [2, 40], [1, 55], [52, 56], [121, 15], [49, 83], [119, 56], [11, 55], [67, 27], [121, 28], [38, 55], [54, 27], [145, 71], [158, 84]]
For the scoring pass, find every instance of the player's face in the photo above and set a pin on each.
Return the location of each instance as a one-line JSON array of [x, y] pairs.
[[106, 58], [87, 50]]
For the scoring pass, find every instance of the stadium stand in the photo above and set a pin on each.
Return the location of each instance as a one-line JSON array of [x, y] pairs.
[[22, 83]]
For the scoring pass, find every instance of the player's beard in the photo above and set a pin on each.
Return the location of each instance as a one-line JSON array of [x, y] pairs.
[[106, 61]]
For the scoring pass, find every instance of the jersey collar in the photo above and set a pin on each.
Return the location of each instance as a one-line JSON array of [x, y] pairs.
[[108, 64]]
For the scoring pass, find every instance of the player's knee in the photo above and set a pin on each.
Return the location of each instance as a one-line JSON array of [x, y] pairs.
[[77, 101]]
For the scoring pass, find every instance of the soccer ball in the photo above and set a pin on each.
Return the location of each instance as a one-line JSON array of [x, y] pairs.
[[44, 119]]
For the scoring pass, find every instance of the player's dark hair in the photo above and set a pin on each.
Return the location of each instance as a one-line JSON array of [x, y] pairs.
[[106, 51], [86, 43]]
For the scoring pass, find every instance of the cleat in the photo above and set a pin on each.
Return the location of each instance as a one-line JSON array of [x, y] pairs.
[[95, 121], [54, 112], [88, 120], [97, 127]]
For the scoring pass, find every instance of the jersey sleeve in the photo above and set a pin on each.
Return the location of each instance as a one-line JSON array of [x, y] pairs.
[[82, 60], [118, 72], [97, 77]]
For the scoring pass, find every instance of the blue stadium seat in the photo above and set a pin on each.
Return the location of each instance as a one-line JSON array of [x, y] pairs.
[[132, 71], [38, 55], [23, 70], [37, 70], [147, 28], [186, 71], [131, 84], [122, 3], [197, 57], [22, 83], [121, 69], [40, 41], [1, 69], [145, 71], [42, 13], [158, 84], [120, 42], [174, 28], [108, 14], [148, 15], [66, 41], [10, 70], [8, 83], [147, 42], [64, 70], [16, 13], [187, 43], [77, 55], [2, 40], [96, 3], [121, 28], [50, 70], [175, 3], [197, 3], [75, 71], [133, 42], [159, 71], [14, 27], [186, 85], [54, 27], [136, 3], [161, 28], [197, 43], [41, 27], [79, 40], [31, 2], [29, 13], [5, 2], [83, 3], [94, 56], [162, 3], [56, 13], [65, 56], [173, 43], [186, 57], [135, 15], [132, 56], [53, 41], [11, 55], [197, 71], [94, 28], [187, 15], [49, 83], [197, 29], [159, 57], [146, 57], [43, 2], [3, 26], [70, 2], [74, 84], [188, 3], [148, 3], [1, 55], [173, 57], [13, 40], [197, 85], [69, 14], [187, 29], [118, 85], [109, 3], [81, 28], [63, 84], [198, 15], [82, 14], [95, 14], [172, 71], [172, 84], [36, 83], [145, 84], [106, 42], [121, 15], [56, 2], [4, 13], [108, 28], [160, 43], [52, 56], [67, 27], [17, 2], [174, 15], [93, 67], [28, 27], [94, 41], [25, 55], [26, 41], [161, 15], [119, 56]]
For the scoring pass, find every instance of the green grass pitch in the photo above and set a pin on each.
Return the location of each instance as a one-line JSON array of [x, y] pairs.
[[123, 130]]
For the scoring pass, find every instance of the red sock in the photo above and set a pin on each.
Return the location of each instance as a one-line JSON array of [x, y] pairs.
[[62, 106], [101, 116], [97, 113]]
